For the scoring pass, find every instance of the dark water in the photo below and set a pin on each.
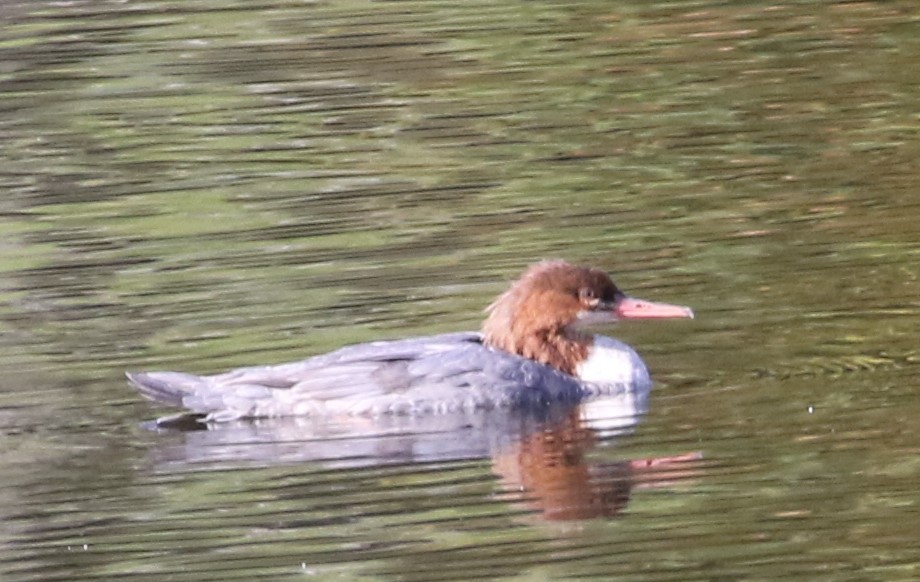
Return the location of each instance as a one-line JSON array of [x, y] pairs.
[[199, 185]]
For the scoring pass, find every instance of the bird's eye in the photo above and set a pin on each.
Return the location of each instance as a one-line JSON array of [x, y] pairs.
[[586, 294]]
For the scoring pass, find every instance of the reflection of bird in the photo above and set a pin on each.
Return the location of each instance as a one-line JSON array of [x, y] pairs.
[[550, 471], [530, 351]]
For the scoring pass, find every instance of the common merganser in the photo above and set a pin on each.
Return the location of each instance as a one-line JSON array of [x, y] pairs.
[[530, 352]]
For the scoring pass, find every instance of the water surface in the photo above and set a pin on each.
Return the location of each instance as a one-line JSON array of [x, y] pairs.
[[204, 185]]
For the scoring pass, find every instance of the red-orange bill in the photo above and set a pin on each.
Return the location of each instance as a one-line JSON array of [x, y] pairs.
[[631, 308]]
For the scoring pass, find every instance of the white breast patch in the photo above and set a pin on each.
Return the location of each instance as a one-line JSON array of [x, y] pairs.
[[611, 361]]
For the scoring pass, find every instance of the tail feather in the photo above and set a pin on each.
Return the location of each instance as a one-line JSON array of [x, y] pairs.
[[166, 387]]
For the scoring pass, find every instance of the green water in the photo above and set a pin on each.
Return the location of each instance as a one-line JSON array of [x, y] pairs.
[[200, 185]]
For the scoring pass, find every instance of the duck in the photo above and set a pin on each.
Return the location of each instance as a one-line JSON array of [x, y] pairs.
[[533, 349]]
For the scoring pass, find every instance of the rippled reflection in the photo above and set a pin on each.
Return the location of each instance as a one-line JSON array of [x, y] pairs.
[[541, 456]]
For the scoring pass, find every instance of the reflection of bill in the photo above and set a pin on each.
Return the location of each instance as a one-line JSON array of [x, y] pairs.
[[548, 471]]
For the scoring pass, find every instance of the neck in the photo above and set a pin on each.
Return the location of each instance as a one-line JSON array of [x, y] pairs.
[[559, 348]]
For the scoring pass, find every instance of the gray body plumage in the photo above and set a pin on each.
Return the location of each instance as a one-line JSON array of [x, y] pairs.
[[442, 373]]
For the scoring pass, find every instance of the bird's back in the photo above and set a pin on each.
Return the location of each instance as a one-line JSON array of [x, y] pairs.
[[440, 373]]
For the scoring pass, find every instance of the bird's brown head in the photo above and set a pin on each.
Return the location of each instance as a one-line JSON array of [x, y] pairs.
[[534, 318]]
